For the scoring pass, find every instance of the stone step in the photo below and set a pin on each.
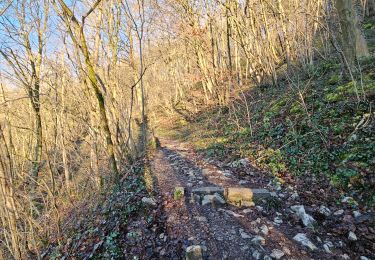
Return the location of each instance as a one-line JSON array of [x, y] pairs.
[[233, 195], [245, 196], [211, 190]]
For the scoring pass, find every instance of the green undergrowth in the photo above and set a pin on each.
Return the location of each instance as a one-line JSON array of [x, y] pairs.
[[100, 229], [316, 123], [369, 31]]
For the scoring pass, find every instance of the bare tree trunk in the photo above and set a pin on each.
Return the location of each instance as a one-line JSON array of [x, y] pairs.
[[371, 7], [38, 143], [230, 63], [285, 32], [7, 196], [62, 122], [81, 44], [353, 43]]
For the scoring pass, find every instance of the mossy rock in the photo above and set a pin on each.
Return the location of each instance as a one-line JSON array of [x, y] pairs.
[[178, 193]]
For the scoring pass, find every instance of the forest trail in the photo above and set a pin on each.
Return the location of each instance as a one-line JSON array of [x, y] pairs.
[[222, 231]]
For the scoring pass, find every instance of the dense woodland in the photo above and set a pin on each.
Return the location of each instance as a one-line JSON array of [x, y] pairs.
[[88, 86]]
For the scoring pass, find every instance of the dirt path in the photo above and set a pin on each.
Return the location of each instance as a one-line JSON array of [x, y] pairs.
[[225, 231]]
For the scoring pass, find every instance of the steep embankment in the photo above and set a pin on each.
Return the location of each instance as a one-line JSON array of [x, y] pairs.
[[313, 137], [313, 126]]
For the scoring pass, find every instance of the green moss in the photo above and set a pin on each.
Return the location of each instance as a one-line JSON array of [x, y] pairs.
[[369, 88], [276, 107], [339, 128], [333, 97], [178, 193], [329, 66], [273, 160], [368, 26], [334, 79], [349, 88], [296, 108]]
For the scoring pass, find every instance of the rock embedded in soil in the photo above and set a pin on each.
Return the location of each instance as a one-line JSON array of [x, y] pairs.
[[349, 200], [227, 173], [367, 217], [303, 240], [215, 199], [206, 172], [244, 235], [191, 175], [357, 213], [207, 199], [345, 257], [195, 198], [277, 221], [201, 219], [260, 193], [247, 204], [246, 211], [244, 162], [208, 191], [194, 252], [294, 196], [242, 182], [307, 220], [277, 254], [286, 250], [327, 247], [256, 255], [264, 229], [338, 212], [258, 240], [149, 201], [352, 236], [325, 211], [229, 212]]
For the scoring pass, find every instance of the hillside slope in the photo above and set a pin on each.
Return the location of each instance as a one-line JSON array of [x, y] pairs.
[[314, 125]]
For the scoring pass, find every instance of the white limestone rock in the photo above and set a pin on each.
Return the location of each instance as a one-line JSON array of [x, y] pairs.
[[307, 220], [303, 240]]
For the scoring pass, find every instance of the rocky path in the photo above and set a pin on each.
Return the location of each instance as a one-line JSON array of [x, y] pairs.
[[276, 228]]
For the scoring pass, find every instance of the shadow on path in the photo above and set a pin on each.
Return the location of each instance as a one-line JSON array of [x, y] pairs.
[[225, 231]]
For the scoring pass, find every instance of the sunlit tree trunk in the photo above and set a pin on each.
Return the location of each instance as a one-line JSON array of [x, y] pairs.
[[62, 127], [9, 210], [80, 43]]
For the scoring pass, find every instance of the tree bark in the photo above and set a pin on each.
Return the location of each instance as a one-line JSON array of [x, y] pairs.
[[81, 44], [9, 209], [371, 7], [38, 144], [353, 43]]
